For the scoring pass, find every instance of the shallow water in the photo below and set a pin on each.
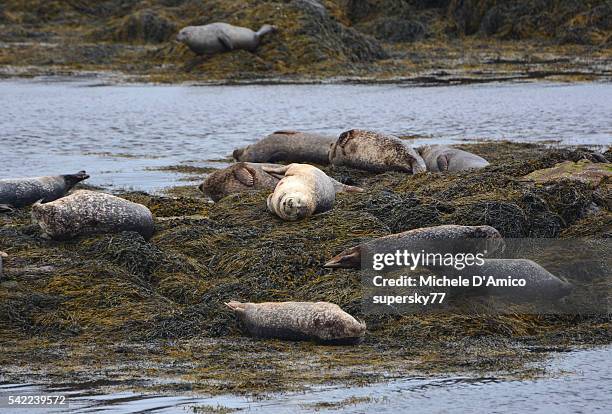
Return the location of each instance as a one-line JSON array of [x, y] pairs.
[[574, 382], [119, 133]]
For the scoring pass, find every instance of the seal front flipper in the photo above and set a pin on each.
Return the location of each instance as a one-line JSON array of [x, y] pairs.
[[245, 176], [225, 40], [442, 162]]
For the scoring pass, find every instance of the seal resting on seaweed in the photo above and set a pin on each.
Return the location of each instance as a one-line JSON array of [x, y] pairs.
[[222, 37], [289, 146], [539, 282], [323, 322], [20, 192], [88, 212], [443, 158], [372, 151], [238, 178], [440, 239], [304, 190], [2, 256]]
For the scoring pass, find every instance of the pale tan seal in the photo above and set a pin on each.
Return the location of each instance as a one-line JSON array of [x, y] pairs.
[[372, 151], [88, 212], [303, 191], [222, 37], [238, 178], [288, 146], [20, 192], [451, 238], [440, 158], [318, 321]]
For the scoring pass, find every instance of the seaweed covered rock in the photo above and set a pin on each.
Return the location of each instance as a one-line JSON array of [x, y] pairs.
[[397, 30], [144, 26]]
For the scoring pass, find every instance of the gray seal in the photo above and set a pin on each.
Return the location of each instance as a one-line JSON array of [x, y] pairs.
[[21, 192], [238, 178], [372, 151], [88, 212], [539, 282], [443, 158], [2, 256], [222, 37], [444, 239], [304, 190], [322, 322], [288, 146]]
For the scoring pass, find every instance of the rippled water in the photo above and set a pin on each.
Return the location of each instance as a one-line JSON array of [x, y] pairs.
[[576, 382], [119, 133]]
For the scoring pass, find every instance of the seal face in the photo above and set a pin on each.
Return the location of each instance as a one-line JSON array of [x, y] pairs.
[[288, 146], [443, 158], [451, 238], [319, 321], [375, 152], [221, 37], [238, 178], [303, 191], [88, 212], [21, 192]]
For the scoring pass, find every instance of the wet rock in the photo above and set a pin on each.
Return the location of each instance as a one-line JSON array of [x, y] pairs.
[[584, 171]]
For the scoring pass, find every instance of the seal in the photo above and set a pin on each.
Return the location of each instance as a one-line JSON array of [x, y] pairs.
[[222, 37], [440, 158], [88, 212], [375, 152], [303, 191], [322, 322], [440, 239], [21, 192], [539, 282], [238, 178], [288, 146]]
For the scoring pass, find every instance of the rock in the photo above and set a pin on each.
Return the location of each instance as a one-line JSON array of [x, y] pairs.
[[583, 171], [397, 30]]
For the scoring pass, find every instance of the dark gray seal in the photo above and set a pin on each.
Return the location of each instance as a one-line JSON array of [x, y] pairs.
[[238, 178], [442, 158], [451, 238], [375, 152], [322, 322], [88, 212], [304, 190], [288, 146], [222, 37], [20, 192]]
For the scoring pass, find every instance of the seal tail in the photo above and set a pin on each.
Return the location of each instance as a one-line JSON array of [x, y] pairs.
[[236, 306]]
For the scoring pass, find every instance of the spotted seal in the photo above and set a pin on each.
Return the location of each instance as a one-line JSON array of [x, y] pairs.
[[3, 255], [88, 212], [222, 37], [288, 146], [443, 158], [372, 151], [322, 322], [20, 192], [304, 190], [450, 238], [237, 178]]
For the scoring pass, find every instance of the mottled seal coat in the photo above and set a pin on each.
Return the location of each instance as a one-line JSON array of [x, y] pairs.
[[238, 178], [303, 191], [321, 321], [222, 37], [375, 152], [2, 256], [89, 212], [288, 146], [20, 192], [451, 238], [540, 283], [442, 158]]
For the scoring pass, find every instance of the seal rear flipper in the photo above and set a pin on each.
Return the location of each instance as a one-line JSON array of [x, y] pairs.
[[236, 306], [5, 208], [73, 179], [350, 258], [278, 172], [442, 162], [245, 176], [343, 188]]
